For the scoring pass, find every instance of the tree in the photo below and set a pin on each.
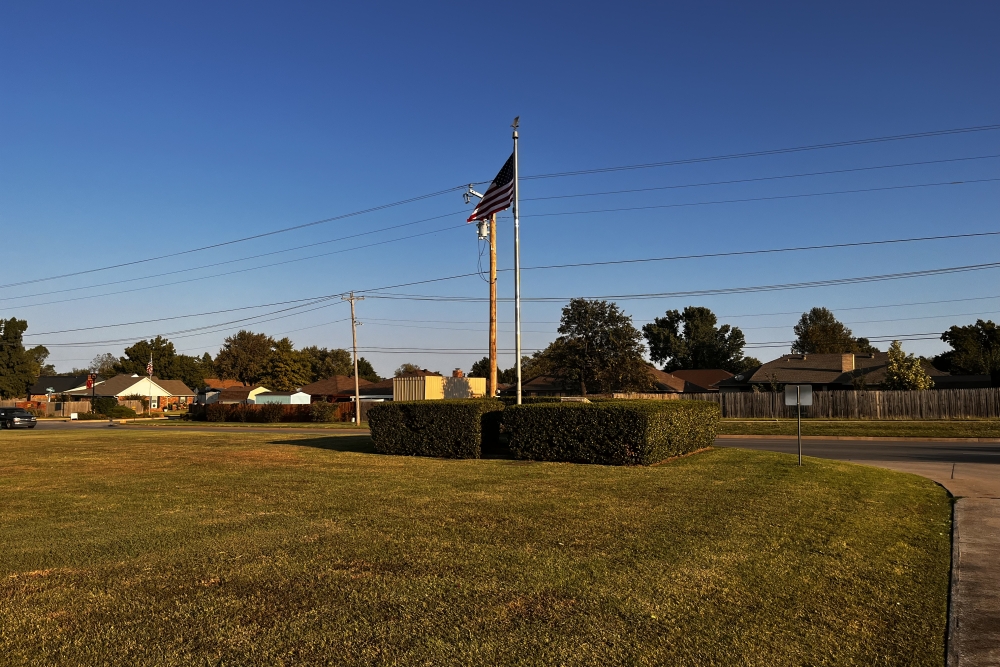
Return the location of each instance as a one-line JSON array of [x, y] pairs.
[[167, 364], [103, 365], [405, 370], [286, 369], [975, 350], [366, 371], [819, 332], [38, 355], [691, 340], [599, 350], [904, 371], [529, 368], [324, 363], [18, 370], [244, 357]]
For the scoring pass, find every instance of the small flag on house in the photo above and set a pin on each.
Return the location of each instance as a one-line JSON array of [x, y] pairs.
[[149, 367], [499, 195]]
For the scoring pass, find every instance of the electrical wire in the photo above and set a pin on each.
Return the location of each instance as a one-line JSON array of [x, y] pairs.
[[761, 178], [763, 153]]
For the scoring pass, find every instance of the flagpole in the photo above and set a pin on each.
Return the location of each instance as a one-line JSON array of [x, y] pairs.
[[517, 271], [150, 369]]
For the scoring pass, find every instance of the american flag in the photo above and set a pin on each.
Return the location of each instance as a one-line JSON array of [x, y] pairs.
[[499, 195], [149, 367]]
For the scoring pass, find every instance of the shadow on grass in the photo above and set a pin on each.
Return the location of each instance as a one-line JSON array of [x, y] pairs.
[[361, 444]]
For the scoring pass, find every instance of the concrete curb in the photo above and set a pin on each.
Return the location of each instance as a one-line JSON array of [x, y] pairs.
[[951, 638], [855, 437]]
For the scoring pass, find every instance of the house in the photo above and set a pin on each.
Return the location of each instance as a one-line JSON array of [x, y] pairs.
[[434, 386], [282, 398], [231, 396], [161, 393], [334, 388], [825, 372], [56, 385]]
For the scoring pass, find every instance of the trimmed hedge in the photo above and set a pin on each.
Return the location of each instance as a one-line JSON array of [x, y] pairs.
[[625, 432], [268, 413], [451, 429]]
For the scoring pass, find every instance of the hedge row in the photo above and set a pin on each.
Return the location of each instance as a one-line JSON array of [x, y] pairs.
[[239, 412], [450, 429], [632, 432]]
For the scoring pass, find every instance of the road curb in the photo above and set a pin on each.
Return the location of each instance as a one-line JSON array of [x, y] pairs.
[[855, 437]]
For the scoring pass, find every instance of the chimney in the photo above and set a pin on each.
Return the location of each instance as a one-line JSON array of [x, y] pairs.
[[846, 363], [457, 373]]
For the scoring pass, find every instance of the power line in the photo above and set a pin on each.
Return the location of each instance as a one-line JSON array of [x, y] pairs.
[[756, 199], [712, 292], [761, 178], [731, 156], [776, 151]]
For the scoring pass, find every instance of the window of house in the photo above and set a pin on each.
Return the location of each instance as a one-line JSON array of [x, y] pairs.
[[154, 402]]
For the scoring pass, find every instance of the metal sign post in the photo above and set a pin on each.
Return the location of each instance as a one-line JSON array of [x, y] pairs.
[[799, 395]]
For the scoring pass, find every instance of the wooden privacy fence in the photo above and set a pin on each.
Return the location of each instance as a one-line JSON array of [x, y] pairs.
[[65, 408], [930, 404]]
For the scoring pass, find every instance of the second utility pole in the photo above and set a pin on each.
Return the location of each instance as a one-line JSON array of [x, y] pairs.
[[354, 335], [492, 385]]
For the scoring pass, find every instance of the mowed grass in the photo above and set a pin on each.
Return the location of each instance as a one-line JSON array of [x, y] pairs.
[[984, 428], [143, 547]]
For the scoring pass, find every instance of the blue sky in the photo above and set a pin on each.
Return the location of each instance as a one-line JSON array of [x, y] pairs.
[[129, 132]]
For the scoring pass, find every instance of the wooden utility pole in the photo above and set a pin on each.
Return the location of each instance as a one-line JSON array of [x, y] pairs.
[[491, 386], [354, 335]]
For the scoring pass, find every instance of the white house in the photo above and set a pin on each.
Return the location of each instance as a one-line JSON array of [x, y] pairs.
[[283, 398]]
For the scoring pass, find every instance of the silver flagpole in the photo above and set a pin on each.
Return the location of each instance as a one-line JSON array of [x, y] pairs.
[[517, 270]]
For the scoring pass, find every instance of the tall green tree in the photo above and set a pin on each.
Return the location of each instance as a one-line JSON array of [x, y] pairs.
[[975, 350], [324, 363], [819, 332], [407, 369], [692, 339], [481, 369], [366, 371], [599, 350], [38, 355], [286, 369], [167, 364], [103, 365], [18, 369], [905, 371], [244, 357]]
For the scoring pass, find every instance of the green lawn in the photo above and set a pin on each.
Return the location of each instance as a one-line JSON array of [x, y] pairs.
[[985, 428], [142, 547]]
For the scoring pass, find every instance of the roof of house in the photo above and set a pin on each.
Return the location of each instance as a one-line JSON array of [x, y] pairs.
[[239, 393], [825, 369], [703, 379], [174, 387], [420, 373], [59, 383], [279, 393], [543, 383], [116, 386], [216, 383], [667, 382], [334, 385], [383, 388]]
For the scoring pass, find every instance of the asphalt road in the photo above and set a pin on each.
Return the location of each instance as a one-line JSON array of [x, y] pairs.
[[876, 450]]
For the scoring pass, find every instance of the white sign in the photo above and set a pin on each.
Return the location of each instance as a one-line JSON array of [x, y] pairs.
[[73, 415], [802, 392]]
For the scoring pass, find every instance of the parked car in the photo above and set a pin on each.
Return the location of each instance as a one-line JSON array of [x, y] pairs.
[[16, 418]]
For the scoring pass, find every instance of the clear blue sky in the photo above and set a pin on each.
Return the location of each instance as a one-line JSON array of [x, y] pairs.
[[128, 132]]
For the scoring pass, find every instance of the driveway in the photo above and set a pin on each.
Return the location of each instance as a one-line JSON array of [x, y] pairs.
[[971, 473]]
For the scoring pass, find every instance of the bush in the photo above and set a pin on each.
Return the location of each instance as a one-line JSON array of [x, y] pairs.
[[37, 412], [120, 412], [625, 432], [269, 413], [324, 412], [452, 429], [215, 412], [103, 405], [529, 400], [90, 416]]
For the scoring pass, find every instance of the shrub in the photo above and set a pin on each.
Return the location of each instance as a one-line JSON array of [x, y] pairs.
[[529, 400], [38, 412], [631, 432], [90, 416], [215, 412], [120, 412], [103, 405], [452, 429], [269, 413], [324, 412]]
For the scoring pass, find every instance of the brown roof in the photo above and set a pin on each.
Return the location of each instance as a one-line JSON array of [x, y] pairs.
[[216, 383], [663, 381], [237, 393], [174, 387], [420, 373], [383, 388], [702, 379], [829, 369], [334, 386]]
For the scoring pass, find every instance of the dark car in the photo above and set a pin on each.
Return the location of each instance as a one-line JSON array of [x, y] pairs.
[[16, 418]]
